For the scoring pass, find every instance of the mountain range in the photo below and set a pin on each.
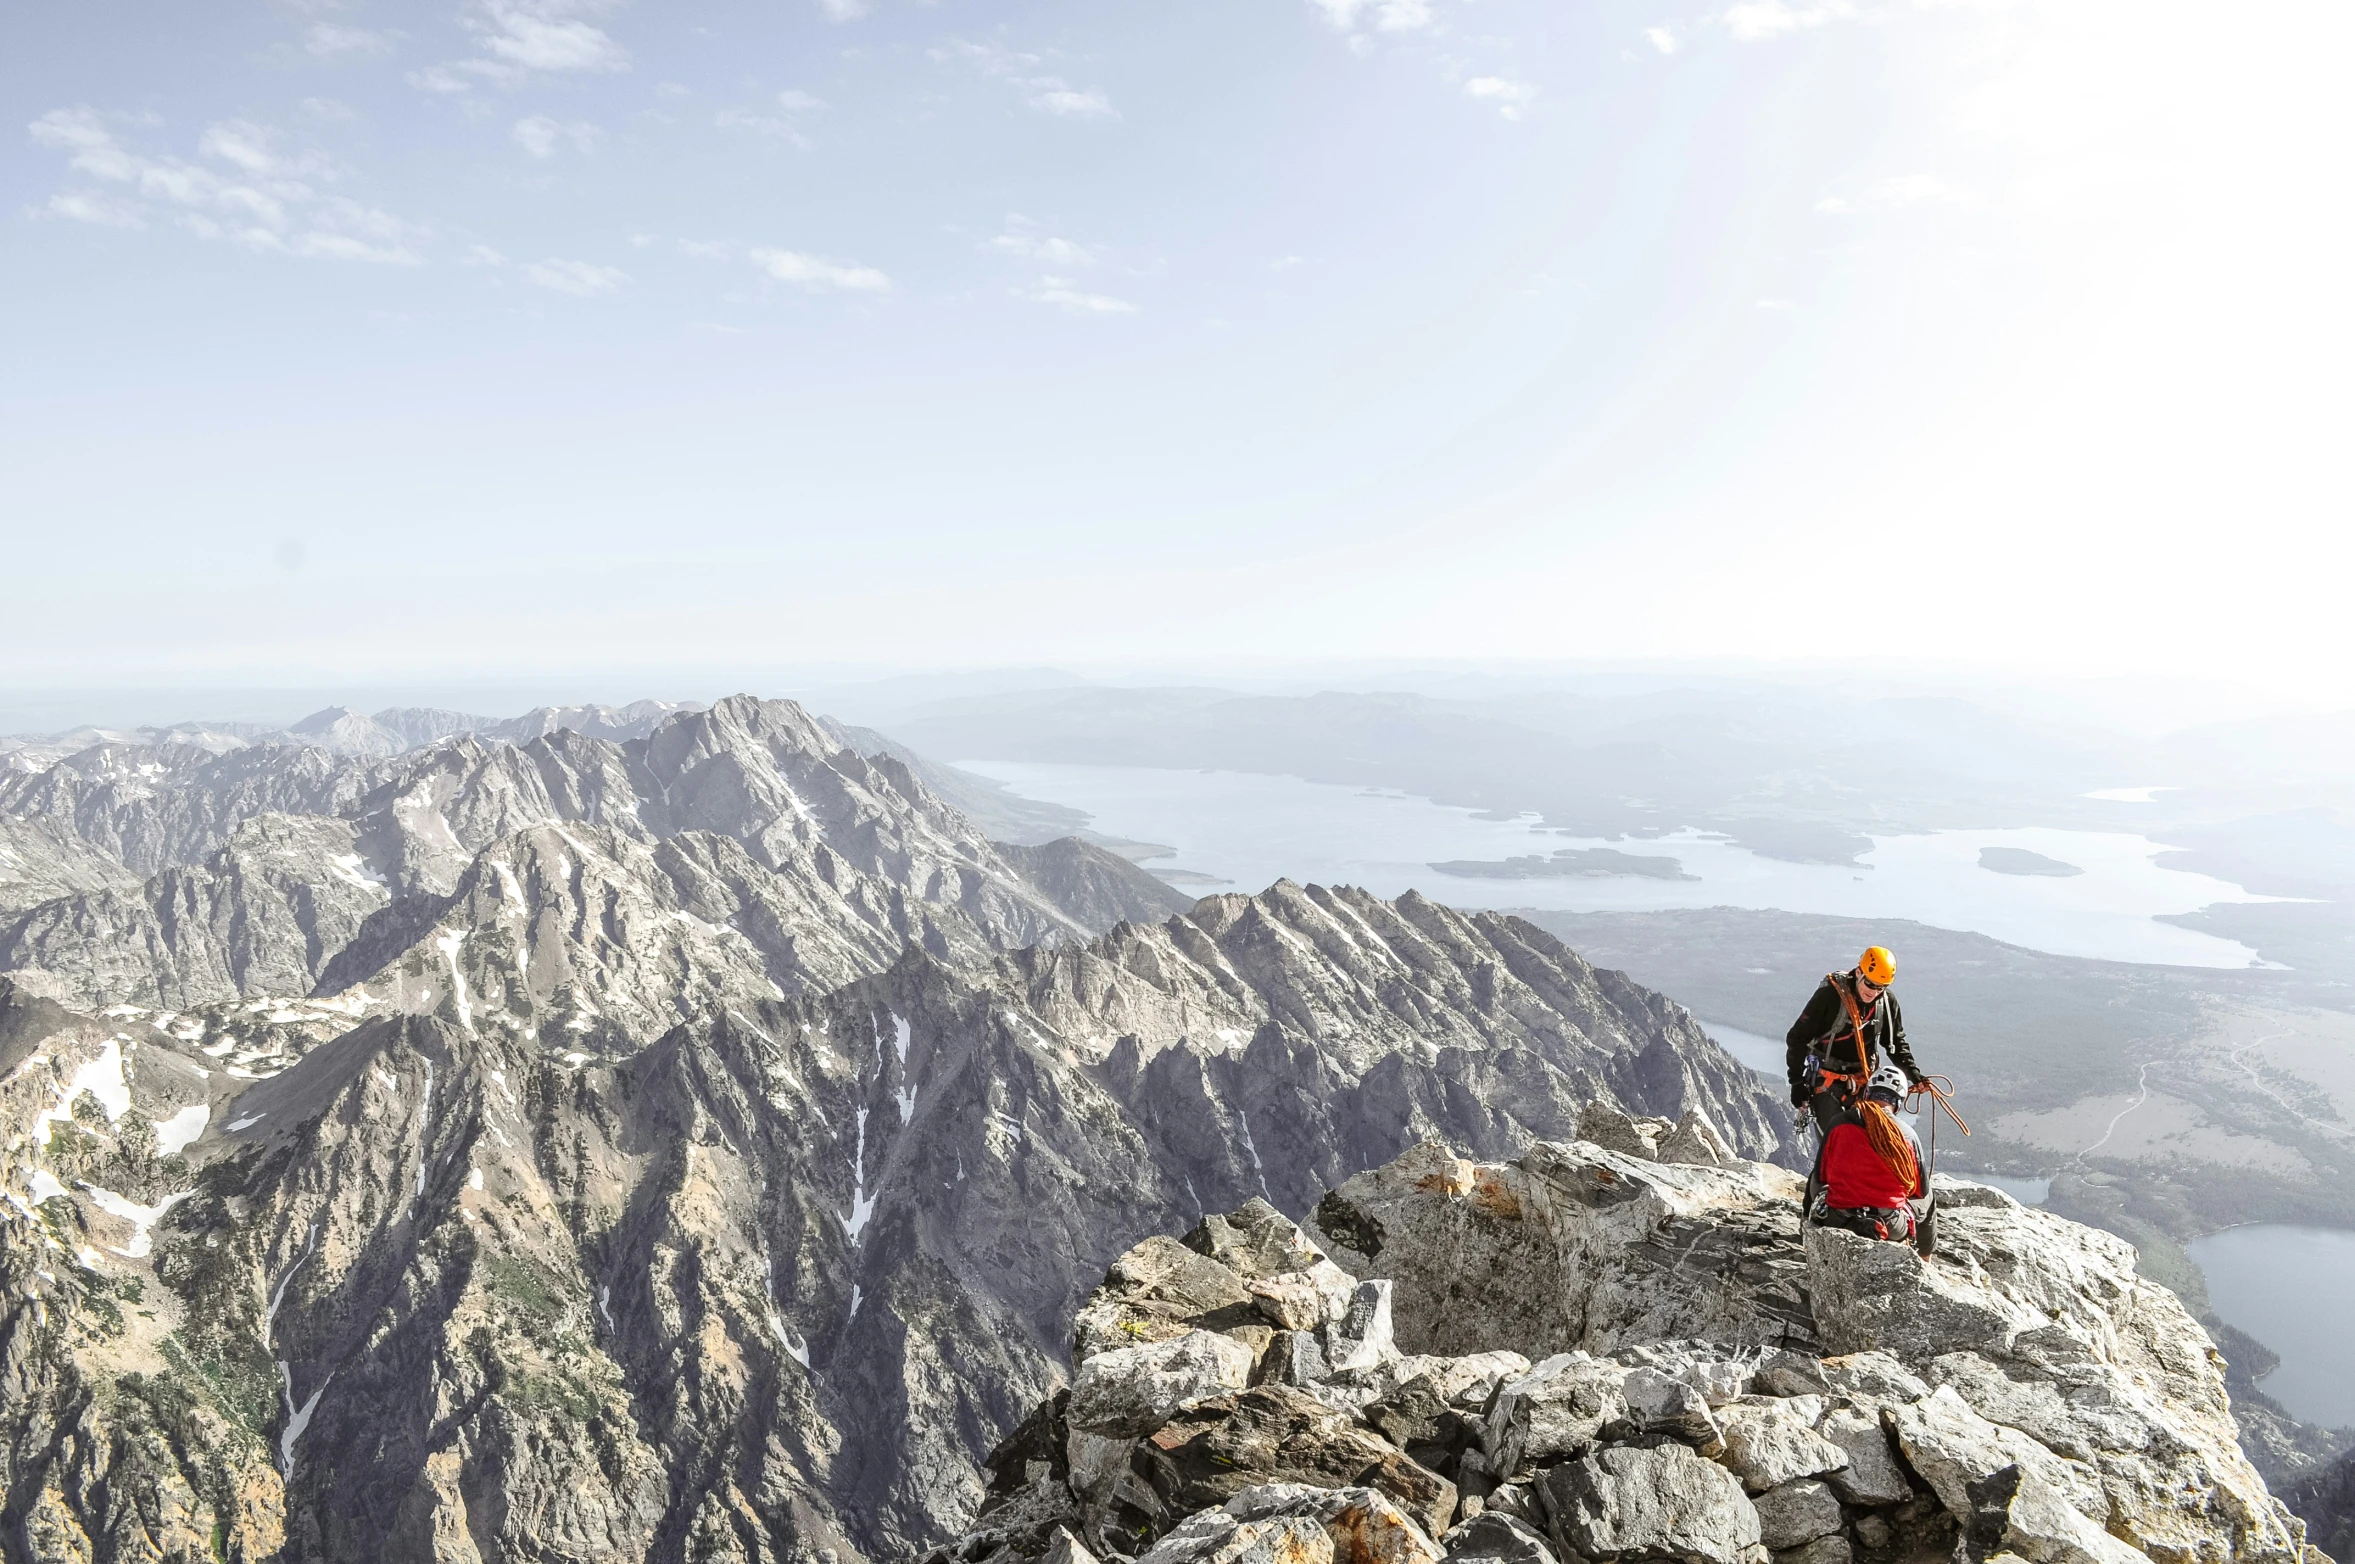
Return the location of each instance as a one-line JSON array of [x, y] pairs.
[[679, 1134]]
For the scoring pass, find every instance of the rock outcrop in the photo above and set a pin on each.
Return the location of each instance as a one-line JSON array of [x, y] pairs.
[[1593, 1354]]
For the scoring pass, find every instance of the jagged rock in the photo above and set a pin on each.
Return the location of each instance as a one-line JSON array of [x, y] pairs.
[[1661, 1405], [1258, 1242], [1796, 1513], [1297, 1358], [1492, 1537], [1629, 1502], [2042, 1320], [1695, 1140], [1275, 1434], [1134, 1390], [1953, 1447], [1215, 1537], [1365, 1527], [1362, 1337], [1609, 1126], [1291, 1303], [1064, 1548], [1157, 1290], [1720, 1373], [1418, 1419], [1770, 1444], [1355, 1525], [2012, 1513], [1871, 1376], [1557, 1409], [1463, 1382], [1872, 1475], [1602, 1250], [1823, 1550]]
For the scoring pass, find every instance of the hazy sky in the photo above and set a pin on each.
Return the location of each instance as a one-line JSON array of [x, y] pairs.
[[383, 340]]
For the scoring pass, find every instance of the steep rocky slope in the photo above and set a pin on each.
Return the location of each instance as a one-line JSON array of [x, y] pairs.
[[776, 1278], [41, 860], [1599, 1354]]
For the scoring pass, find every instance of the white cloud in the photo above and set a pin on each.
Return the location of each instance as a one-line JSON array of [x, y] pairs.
[[1060, 292], [346, 247], [328, 109], [481, 255], [991, 59], [1020, 242], [810, 271], [331, 41], [1512, 98], [793, 102], [1663, 39], [1387, 16], [1756, 19], [1047, 94], [541, 136], [262, 203], [705, 249], [581, 279], [91, 206], [546, 35], [1057, 97], [520, 37], [255, 149], [843, 10], [453, 78]]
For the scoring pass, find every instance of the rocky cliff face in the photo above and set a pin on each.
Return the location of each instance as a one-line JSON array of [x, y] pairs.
[[1597, 1354]]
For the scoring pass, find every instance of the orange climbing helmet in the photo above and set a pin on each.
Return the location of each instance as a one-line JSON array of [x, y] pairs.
[[1876, 966]]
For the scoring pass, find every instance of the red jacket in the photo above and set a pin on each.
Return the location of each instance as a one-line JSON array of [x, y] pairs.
[[1854, 1174]]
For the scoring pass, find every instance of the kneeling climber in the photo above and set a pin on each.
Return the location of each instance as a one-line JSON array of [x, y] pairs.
[[1871, 1165]]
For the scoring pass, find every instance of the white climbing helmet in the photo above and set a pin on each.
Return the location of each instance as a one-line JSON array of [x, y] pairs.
[[1888, 1078]]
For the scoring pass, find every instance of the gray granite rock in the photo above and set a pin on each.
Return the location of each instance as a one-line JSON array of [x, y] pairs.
[[1797, 1512], [1662, 1502]]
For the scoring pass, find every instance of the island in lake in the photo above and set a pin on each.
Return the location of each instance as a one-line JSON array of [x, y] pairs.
[[1566, 864]]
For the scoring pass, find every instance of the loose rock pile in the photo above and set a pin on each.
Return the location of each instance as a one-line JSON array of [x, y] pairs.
[[1710, 1384]]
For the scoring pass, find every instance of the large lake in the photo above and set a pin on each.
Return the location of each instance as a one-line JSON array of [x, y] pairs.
[[1243, 830], [2288, 1287]]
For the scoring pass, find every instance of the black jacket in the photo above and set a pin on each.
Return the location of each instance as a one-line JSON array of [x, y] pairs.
[[1822, 1029]]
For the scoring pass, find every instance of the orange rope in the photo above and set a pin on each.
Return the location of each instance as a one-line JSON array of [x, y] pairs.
[[1939, 1095], [1889, 1142]]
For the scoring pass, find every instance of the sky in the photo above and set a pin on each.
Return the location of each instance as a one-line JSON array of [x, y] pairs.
[[522, 338]]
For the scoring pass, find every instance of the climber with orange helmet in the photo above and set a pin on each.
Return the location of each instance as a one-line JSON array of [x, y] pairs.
[[1850, 1028]]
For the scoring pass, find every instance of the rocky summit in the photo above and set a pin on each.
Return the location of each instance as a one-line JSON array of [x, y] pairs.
[[1595, 1353]]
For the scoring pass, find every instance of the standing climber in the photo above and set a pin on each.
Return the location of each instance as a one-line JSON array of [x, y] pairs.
[[1849, 1029], [1871, 1166]]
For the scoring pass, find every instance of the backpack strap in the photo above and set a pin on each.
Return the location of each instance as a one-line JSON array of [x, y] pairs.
[[1864, 1047]]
